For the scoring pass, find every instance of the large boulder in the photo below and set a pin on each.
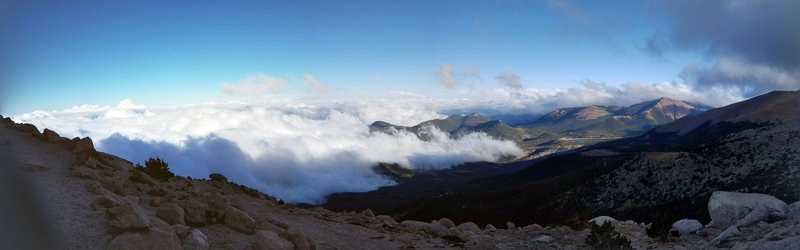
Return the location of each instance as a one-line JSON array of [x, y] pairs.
[[156, 238], [687, 226], [195, 239], [447, 223], [600, 220], [128, 217], [171, 213], [51, 136], [268, 240], [728, 208], [469, 227], [299, 239], [239, 221]]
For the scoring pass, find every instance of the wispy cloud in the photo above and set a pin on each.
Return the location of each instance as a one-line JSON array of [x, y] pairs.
[[315, 84], [255, 85], [509, 80]]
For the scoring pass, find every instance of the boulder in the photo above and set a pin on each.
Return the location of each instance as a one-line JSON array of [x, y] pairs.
[[490, 227], [469, 226], [368, 212], [731, 232], [239, 221], [755, 216], [84, 145], [156, 238], [91, 162], [387, 221], [430, 228], [29, 128], [600, 220], [171, 213], [687, 226], [141, 177], [447, 223], [794, 210], [268, 240], [727, 208], [128, 217], [51, 136], [510, 225], [195, 239], [194, 213], [533, 227], [299, 239]]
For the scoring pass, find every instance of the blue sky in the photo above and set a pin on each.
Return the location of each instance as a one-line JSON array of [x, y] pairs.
[[54, 55]]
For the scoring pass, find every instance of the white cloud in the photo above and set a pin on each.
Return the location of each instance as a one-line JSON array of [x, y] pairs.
[[509, 79], [254, 85], [446, 76], [295, 149]]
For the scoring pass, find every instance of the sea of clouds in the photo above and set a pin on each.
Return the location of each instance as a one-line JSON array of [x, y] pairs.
[[299, 151]]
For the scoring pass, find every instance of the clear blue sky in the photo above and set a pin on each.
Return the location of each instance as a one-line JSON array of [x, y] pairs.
[[54, 55]]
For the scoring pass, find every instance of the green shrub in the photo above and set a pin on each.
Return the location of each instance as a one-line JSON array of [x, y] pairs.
[[605, 237], [156, 168], [660, 226]]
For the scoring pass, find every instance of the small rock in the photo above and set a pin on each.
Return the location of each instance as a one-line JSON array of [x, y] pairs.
[[387, 221], [155, 238], [447, 223], [543, 239], [128, 217], [600, 220], [469, 226], [533, 227], [687, 226], [268, 240], [195, 239], [732, 231], [181, 230], [794, 210], [94, 187], [171, 213], [368, 212], [239, 221], [510, 225], [490, 227]]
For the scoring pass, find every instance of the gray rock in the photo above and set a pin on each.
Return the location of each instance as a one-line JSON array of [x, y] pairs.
[[51, 136], [368, 212], [447, 223], [128, 217], [755, 216], [731, 232], [195, 239], [600, 220], [687, 226], [299, 239], [794, 210], [727, 208], [194, 213], [490, 227], [543, 239], [239, 221], [469, 226], [171, 213], [387, 221], [155, 238], [268, 240], [510, 225]]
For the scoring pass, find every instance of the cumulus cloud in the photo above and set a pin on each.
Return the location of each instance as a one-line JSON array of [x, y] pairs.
[[752, 45], [315, 84], [509, 79], [254, 85], [298, 150]]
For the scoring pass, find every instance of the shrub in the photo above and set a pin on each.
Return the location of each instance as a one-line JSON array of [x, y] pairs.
[[577, 221], [156, 168], [218, 177], [605, 237], [660, 226]]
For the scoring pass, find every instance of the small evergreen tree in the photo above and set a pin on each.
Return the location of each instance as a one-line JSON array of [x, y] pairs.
[[605, 237], [156, 168]]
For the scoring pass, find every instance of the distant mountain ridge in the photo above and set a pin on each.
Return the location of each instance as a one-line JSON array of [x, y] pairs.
[[750, 146], [561, 129]]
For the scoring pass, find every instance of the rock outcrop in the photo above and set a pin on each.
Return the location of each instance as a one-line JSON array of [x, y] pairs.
[[729, 208]]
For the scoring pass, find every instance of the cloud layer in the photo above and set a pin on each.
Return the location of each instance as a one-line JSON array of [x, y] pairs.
[[752, 45], [299, 151]]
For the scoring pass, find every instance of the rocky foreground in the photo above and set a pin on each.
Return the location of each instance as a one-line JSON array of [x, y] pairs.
[[94, 200]]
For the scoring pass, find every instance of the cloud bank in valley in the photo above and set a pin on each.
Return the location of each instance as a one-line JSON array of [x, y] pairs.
[[299, 151]]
